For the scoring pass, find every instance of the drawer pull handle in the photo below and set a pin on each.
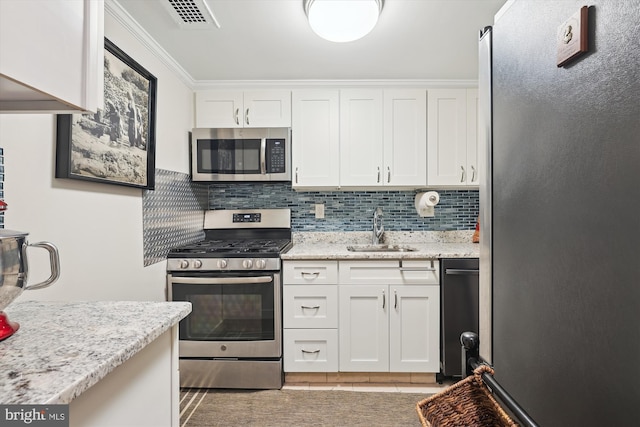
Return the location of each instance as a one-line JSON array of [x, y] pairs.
[[312, 275], [310, 307], [416, 269], [311, 351]]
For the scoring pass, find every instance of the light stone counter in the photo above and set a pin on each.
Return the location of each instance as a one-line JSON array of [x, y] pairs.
[[64, 348], [429, 244]]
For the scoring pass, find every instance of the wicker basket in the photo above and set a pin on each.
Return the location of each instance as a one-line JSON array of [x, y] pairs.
[[466, 403]]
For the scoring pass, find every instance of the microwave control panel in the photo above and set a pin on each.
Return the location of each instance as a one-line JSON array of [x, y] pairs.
[[276, 155]]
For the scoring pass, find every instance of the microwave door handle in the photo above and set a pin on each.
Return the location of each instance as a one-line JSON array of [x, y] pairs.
[[220, 280], [263, 156]]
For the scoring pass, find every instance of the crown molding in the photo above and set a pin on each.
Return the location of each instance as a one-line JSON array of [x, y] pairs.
[[310, 84], [115, 9]]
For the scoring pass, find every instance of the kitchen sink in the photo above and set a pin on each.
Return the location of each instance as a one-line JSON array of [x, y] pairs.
[[380, 248]]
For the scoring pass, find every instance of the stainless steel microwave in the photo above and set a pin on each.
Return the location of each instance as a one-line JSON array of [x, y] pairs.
[[242, 154]]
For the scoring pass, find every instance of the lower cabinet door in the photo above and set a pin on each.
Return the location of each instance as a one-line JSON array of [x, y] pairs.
[[414, 319], [364, 328], [310, 350]]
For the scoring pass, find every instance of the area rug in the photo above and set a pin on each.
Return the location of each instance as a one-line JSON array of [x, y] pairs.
[[285, 408]]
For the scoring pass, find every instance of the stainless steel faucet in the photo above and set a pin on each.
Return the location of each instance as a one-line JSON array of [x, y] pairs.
[[378, 228]]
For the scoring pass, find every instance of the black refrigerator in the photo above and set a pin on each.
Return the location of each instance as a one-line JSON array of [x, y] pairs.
[[560, 209]]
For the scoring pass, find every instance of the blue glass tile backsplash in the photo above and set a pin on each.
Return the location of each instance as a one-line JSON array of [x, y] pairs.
[[350, 210]]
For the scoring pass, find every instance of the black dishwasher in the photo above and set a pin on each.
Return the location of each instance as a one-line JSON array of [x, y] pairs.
[[458, 310]]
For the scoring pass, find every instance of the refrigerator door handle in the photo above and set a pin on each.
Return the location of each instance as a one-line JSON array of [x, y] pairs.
[[461, 272]]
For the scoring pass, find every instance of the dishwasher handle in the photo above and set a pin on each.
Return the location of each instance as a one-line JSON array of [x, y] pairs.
[[461, 272]]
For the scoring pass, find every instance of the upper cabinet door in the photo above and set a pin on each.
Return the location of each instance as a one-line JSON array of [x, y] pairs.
[[51, 55], [452, 137], [447, 154], [315, 138], [472, 137], [405, 137], [219, 109], [238, 109], [267, 108], [361, 153]]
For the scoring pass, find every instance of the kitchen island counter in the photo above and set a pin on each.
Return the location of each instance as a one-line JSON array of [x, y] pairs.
[[63, 349]]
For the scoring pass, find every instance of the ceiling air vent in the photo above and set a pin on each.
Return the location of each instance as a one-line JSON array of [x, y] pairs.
[[193, 14]]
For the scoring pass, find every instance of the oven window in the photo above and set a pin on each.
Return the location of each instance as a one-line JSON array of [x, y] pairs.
[[234, 312], [229, 156]]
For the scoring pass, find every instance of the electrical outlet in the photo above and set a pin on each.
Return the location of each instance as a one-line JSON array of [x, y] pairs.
[[319, 210]]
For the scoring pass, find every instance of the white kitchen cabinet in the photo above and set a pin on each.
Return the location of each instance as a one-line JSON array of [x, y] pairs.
[[310, 316], [364, 138], [414, 320], [452, 137], [389, 316], [364, 328], [51, 55], [238, 109], [361, 137], [405, 137], [383, 138], [315, 128]]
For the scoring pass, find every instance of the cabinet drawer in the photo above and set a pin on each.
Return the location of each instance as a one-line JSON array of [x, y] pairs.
[[393, 272], [311, 306], [310, 272], [310, 350]]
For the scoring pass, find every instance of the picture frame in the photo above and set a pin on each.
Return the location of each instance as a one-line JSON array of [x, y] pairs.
[[115, 145]]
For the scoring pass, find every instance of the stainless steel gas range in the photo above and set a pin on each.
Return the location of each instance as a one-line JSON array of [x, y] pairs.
[[233, 336]]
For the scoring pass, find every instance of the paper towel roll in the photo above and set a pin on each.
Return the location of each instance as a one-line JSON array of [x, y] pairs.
[[428, 199]]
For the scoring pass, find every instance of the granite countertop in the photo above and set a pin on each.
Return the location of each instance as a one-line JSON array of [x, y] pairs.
[[63, 348], [313, 246]]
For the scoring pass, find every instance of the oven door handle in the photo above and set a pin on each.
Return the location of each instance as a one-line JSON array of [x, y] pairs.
[[220, 280]]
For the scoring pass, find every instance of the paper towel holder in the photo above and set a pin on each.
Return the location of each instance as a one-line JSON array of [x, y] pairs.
[[425, 203]]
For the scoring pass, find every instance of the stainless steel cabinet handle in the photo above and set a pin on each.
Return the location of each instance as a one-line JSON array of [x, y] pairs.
[[312, 274], [236, 119], [296, 175], [462, 177], [416, 269], [395, 298], [384, 299], [473, 174], [378, 174], [388, 174], [246, 117], [311, 351], [310, 307]]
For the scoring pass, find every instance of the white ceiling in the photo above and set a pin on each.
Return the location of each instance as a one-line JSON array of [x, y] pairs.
[[271, 40]]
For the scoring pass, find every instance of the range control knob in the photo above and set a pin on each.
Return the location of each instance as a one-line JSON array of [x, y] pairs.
[[222, 263], [183, 263], [197, 263], [247, 263], [260, 264]]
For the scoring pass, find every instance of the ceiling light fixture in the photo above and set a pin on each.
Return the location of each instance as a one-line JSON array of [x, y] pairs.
[[342, 20]]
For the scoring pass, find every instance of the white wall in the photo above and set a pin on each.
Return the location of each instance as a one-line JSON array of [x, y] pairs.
[[97, 227]]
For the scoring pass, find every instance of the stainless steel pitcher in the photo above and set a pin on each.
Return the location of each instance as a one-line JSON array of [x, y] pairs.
[[14, 267]]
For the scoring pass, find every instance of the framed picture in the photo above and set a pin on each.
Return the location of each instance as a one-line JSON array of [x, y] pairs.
[[116, 145]]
